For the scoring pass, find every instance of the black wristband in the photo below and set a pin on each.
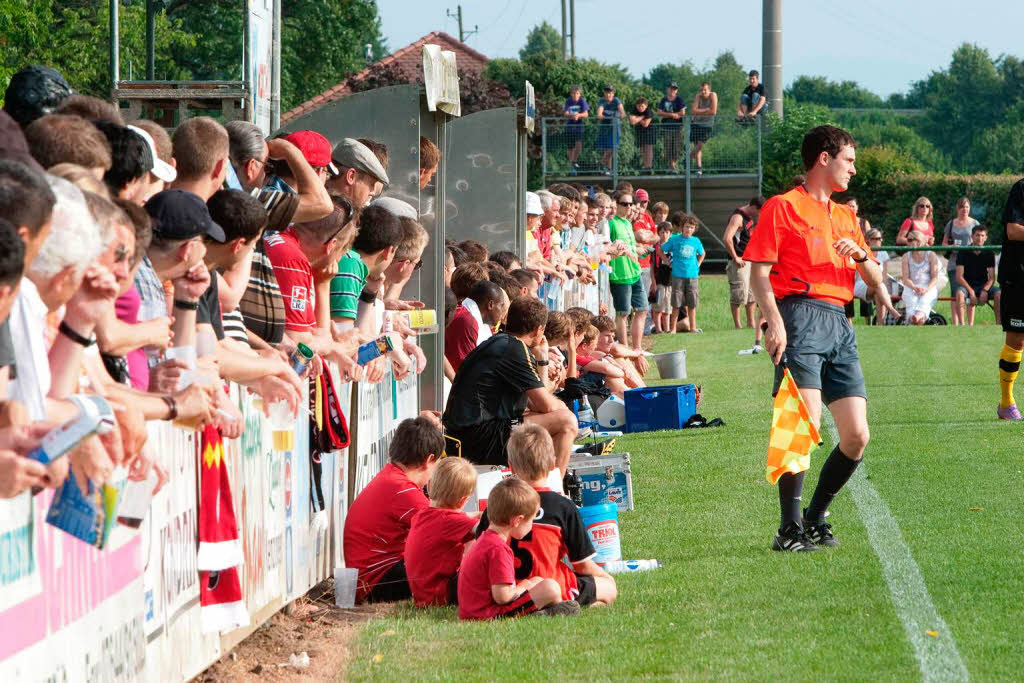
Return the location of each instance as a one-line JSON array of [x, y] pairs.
[[367, 297], [542, 363], [186, 305], [172, 408], [861, 260], [66, 330]]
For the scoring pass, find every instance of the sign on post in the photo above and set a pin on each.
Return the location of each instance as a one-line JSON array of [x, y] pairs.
[[261, 34], [441, 79], [530, 120]]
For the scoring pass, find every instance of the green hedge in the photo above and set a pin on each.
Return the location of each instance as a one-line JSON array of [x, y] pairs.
[[886, 201]]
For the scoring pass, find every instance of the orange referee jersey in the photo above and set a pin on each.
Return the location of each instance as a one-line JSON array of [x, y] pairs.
[[795, 233]]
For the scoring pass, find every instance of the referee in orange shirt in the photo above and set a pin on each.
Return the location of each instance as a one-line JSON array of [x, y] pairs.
[[805, 253]]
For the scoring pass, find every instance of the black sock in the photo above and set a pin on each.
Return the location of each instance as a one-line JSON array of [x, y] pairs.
[[790, 488], [836, 471]]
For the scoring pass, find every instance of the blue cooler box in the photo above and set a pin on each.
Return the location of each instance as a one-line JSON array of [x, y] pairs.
[[661, 407]]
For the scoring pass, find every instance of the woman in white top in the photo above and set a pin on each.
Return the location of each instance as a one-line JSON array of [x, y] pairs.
[[920, 280]]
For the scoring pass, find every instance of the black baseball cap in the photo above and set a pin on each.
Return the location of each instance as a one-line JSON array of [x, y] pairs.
[[180, 215]]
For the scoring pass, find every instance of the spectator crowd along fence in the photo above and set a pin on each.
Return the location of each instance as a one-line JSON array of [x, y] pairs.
[[131, 611], [617, 148]]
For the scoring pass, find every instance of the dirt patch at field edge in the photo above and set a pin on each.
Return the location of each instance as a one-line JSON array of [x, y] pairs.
[[312, 625]]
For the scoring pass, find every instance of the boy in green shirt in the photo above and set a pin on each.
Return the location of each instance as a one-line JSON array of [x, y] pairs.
[[628, 295]]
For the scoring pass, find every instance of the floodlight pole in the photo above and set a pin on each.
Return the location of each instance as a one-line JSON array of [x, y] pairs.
[[275, 69], [771, 53], [115, 46], [565, 53], [572, 28], [150, 40]]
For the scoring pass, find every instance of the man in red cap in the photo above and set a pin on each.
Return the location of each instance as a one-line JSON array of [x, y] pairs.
[[316, 150], [646, 234]]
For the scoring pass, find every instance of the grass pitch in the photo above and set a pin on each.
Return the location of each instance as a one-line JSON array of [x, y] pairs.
[[724, 606]]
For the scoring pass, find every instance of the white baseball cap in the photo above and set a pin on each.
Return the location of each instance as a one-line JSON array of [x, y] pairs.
[[533, 207], [161, 169]]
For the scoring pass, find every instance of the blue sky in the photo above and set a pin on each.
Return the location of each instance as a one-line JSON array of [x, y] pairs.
[[882, 44]]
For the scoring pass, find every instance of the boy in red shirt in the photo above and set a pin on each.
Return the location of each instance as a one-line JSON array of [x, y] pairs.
[[487, 582], [439, 533], [378, 521], [558, 533]]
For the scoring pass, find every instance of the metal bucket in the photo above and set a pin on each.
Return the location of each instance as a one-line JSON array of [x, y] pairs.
[[671, 365]]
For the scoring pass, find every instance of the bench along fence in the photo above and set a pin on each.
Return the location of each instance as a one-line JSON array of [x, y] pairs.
[[70, 612]]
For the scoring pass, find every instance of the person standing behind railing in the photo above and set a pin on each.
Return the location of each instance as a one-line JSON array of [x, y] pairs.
[[643, 135], [576, 111], [753, 99], [705, 108], [921, 221], [958, 232], [609, 111], [671, 111]]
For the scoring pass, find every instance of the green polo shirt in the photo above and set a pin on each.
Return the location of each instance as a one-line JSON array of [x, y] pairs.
[[625, 269], [347, 285]]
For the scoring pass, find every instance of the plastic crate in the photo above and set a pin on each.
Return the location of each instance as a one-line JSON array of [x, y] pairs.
[[661, 407]]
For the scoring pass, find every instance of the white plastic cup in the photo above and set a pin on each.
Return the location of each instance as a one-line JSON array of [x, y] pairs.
[[345, 582]]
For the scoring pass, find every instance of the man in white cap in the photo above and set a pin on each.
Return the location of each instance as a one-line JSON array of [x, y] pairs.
[[361, 175]]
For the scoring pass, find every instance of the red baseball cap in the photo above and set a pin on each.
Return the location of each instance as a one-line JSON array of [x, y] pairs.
[[314, 147], [641, 196]]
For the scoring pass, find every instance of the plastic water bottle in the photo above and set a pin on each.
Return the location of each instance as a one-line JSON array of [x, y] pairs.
[[623, 566]]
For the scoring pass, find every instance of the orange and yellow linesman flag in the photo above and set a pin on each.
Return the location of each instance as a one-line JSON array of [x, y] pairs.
[[793, 435]]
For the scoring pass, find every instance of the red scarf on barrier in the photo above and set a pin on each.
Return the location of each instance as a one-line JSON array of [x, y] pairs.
[[220, 552]]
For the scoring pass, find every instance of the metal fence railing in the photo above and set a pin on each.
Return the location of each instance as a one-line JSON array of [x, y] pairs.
[[615, 147]]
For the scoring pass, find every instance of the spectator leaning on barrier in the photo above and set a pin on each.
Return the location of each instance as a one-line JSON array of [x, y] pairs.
[[161, 172], [408, 259], [361, 175], [378, 521], [361, 270], [671, 110], [737, 235], [497, 382], [628, 293], [752, 99], [641, 118], [921, 221], [131, 163], [57, 138]]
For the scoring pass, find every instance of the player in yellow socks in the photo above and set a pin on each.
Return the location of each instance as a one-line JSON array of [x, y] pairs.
[[1011, 280]]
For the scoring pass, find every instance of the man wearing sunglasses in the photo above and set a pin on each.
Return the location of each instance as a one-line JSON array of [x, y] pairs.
[[628, 294]]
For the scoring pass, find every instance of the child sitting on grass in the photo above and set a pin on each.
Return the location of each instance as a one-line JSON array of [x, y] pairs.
[[378, 520], [558, 531], [439, 533], [632, 361], [488, 588], [588, 360]]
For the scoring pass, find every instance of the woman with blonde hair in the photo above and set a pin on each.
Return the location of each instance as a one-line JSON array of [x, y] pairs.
[[921, 221], [920, 280], [958, 232]]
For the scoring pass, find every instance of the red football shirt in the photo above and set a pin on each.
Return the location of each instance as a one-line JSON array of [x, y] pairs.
[[378, 523], [460, 336], [645, 222], [295, 278], [556, 541], [488, 563], [544, 234], [433, 552]]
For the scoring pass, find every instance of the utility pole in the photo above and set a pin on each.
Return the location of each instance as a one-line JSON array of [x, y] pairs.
[[565, 53], [458, 16], [572, 28], [771, 53]]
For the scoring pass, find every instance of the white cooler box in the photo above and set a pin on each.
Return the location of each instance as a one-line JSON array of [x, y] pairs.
[[606, 479]]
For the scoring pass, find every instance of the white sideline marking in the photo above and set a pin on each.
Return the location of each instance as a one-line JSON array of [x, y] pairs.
[[937, 656]]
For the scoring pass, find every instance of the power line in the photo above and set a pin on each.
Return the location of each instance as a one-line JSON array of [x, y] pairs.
[[462, 33]]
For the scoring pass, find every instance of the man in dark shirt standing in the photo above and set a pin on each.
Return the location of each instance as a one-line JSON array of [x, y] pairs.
[[671, 110], [496, 383], [1011, 279]]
